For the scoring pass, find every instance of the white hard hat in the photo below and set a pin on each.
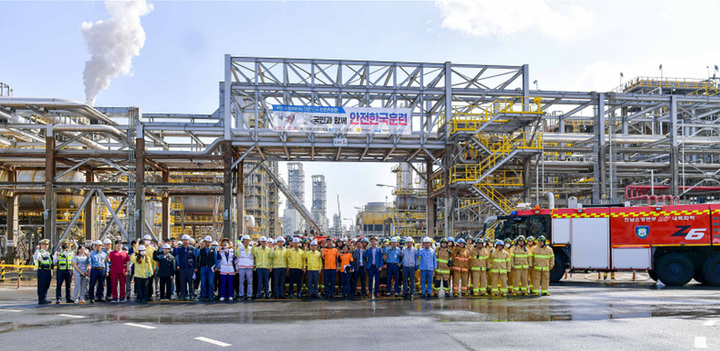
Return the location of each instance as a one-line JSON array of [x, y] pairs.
[[185, 237], [296, 240], [280, 239], [208, 238], [107, 241], [246, 237], [192, 240], [410, 239], [215, 243], [314, 242], [147, 237], [393, 240], [426, 240], [262, 238], [97, 242], [141, 248], [166, 246]]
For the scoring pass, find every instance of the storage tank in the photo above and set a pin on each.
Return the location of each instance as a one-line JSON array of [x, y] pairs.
[[35, 202], [201, 204], [405, 202]]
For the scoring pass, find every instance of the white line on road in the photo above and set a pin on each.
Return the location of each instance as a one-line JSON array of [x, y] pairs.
[[214, 342], [700, 342], [70, 315], [710, 323], [140, 326], [9, 310]]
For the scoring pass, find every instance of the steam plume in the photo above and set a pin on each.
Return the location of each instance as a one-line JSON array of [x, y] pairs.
[[112, 44]]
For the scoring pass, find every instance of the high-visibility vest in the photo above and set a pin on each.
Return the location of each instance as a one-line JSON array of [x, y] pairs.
[[65, 260]]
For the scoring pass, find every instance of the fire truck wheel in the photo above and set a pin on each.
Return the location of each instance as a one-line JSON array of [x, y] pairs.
[[711, 270], [558, 271], [653, 274], [675, 269]]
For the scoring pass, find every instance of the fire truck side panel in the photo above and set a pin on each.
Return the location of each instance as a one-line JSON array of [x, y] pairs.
[[590, 243], [715, 221], [561, 230], [631, 258], [660, 226], [589, 236]]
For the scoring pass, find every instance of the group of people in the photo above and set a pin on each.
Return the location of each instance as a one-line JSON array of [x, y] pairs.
[[293, 267]]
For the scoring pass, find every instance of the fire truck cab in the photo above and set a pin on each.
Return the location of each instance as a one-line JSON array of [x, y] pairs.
[[673, 243]]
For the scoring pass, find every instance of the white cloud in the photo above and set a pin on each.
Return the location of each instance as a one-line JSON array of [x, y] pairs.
[[490, 18]]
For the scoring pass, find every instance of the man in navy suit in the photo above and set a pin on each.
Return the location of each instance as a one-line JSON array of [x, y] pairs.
[[358, 266], [373, 265]]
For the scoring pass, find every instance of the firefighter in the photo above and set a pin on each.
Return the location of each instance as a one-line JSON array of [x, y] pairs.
[[442, 272], [543, 261], [461, 262], [499, 266], [520, 257], [509, 245], [43, 262], [478, 268], [487, 244], [530, 243]]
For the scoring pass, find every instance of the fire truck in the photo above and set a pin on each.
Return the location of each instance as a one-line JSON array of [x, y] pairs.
[[673, 243]]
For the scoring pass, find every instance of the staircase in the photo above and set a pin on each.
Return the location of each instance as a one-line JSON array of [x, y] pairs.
[[491, 197], [291, 197], [493, 150]]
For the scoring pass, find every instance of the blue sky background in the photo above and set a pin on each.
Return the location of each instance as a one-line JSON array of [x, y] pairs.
[[569, 46]]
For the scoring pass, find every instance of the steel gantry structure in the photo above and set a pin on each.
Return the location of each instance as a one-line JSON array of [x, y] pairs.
[[479, 137]]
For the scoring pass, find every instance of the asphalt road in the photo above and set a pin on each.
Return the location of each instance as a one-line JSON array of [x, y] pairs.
[[581, 314]]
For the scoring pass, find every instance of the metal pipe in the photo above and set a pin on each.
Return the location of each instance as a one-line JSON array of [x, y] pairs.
[[185, 154], [551, 199], [61, 104], [90, 128]]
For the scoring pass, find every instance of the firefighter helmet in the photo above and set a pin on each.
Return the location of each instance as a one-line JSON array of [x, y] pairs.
[[542, 238]]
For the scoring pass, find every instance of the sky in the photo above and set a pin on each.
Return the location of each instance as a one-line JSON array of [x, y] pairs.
[[580, 45]]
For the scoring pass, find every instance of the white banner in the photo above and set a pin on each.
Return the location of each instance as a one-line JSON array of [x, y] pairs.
[[341, 120]]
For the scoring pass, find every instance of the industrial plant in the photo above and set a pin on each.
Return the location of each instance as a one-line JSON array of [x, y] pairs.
[[469, 143]]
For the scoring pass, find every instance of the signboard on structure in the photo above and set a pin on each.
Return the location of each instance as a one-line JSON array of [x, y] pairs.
[[341, 120]]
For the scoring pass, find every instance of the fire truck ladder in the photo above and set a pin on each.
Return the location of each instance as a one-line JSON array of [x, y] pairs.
[[291, 197]]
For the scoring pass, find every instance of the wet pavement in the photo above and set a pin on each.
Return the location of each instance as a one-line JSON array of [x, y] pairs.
[[581, 313]]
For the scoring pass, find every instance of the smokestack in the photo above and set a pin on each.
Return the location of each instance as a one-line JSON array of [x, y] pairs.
[[112, 44]]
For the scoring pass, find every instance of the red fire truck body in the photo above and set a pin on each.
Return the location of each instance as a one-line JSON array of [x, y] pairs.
[[674, 243]]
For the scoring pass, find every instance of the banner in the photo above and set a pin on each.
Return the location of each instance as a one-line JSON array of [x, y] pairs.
[[341, 120]]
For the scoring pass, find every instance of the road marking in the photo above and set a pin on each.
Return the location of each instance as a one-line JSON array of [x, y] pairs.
[[710, 323], [140, 326], [70, 315], [700, 342], [214, 342], [9, 310]]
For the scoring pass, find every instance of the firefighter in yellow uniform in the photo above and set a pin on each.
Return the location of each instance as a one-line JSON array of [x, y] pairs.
[[442, 272], [543, 261], [478, 268], [500, 264], [511, 273], [461, 265], [530, 243], [520, 257], [487, 245]]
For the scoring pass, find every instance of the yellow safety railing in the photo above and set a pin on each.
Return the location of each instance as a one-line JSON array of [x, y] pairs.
[[677, 83], [500, 147], [473, 117], [496, 197]]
